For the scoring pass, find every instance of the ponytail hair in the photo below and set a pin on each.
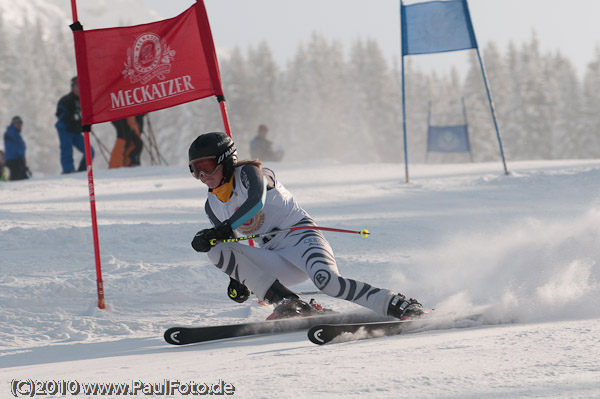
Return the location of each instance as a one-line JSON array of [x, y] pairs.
[[254, 162]]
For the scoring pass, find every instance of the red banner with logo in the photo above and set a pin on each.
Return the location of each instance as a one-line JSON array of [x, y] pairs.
[[138, 69]]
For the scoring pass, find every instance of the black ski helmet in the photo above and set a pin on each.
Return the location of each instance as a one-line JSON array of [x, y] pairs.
[[216, 144]]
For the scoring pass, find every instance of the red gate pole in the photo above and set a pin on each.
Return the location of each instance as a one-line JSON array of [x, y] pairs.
[[88, 161], [74, 10], [224, 116]]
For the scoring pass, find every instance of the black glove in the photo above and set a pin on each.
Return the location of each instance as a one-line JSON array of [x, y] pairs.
[[203, 238], [237, 291]]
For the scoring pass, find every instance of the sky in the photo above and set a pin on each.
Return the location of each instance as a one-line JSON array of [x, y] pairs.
[[568, 26]]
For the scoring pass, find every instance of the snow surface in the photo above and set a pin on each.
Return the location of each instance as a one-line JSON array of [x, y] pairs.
[[522, 249]]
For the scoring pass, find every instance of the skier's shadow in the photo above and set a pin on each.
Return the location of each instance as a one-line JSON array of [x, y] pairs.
[[68, 352]]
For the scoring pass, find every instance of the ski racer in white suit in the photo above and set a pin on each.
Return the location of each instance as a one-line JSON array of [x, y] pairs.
[[250, 200]]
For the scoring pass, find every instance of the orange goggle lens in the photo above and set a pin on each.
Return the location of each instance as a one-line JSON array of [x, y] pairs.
[[204, 167]]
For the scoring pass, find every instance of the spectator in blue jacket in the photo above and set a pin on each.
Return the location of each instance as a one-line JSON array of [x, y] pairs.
[[68, 112], [14, 150]]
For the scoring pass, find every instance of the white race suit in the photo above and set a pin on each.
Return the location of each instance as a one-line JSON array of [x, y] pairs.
[[259, 203]]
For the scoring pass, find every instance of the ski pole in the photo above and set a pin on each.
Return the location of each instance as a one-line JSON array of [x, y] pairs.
[[364, 233]]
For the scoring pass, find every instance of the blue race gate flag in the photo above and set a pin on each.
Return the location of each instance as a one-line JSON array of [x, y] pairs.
[[436, 27], [448, 139]]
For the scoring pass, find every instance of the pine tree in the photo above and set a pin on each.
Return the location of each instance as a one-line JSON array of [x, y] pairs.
[[484, 138], [8, 70], [512, 119], [566, 108], [591, 104], [315, 101], [418, 91], [262, 89], [371, 82]]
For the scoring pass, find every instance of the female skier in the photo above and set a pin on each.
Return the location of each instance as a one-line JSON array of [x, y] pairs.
[[247, 198]]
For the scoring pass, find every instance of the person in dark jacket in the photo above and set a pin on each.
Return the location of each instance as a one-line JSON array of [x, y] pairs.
[[262, 148], [15, 147], [68, 112]]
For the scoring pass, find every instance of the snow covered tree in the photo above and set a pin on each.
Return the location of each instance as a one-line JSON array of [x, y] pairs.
[[314, 100], [418, 92], [590, 139], [260, 96], [484, 140], [376, 125], [564, 89], [536, 143], [8, 69]]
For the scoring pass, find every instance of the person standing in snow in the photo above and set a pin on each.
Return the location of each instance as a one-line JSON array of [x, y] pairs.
[[262, 148], [128, 146], [15, 147], [68, 112], [3, 176], [245, 197]]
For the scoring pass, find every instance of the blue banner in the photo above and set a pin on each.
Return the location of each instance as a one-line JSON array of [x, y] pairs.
[[436, 27], [448, 139]]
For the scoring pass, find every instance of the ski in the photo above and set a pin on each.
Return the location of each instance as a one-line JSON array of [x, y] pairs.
[[343, 332], [191, 335]]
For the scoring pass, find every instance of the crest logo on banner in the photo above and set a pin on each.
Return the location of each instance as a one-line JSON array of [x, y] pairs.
[[149, 57]]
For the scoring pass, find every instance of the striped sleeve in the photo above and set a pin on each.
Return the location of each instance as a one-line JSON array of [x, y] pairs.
[[256, 184]]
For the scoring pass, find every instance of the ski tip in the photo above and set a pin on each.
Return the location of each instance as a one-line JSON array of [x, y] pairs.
[[315, 335], [172, 336]]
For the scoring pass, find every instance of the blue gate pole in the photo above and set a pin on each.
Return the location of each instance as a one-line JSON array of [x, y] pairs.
[[467, 127], [406, 179], [489, 95]]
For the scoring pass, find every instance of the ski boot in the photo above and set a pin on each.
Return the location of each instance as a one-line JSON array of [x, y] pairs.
[[403, 309], [293, 307], [288, 304]]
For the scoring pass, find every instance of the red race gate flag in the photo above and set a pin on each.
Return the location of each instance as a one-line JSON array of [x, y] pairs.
[[139, 69]]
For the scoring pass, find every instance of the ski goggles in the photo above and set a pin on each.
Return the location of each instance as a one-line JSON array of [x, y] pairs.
[[204, 167]]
